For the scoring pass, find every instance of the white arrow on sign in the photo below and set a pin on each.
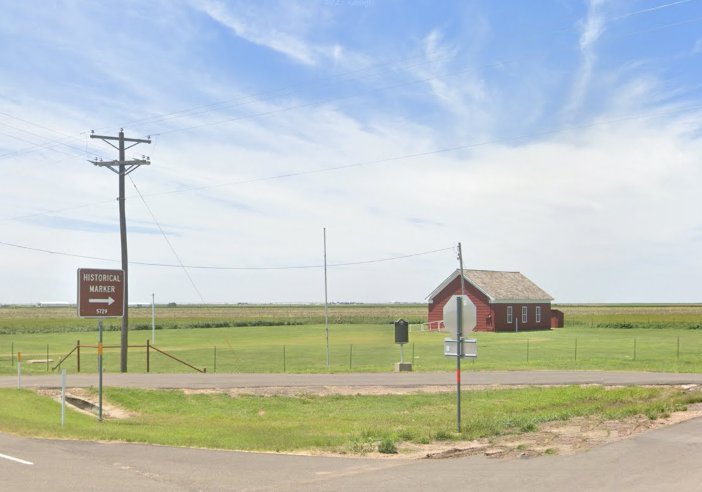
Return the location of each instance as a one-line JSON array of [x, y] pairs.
[[109, 301]]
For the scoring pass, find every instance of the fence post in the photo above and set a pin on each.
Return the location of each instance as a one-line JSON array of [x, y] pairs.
[[19, 370], [527, 350], [148, 355], [576, 349], [47, 357], [350, 355], [78, 354], [634, 348]]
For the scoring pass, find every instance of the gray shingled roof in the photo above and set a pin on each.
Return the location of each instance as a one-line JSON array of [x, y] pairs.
[[501, 286], [505, 285]]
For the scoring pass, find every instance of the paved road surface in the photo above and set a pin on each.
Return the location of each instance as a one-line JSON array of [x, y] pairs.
[[412, 379], [662, 460]]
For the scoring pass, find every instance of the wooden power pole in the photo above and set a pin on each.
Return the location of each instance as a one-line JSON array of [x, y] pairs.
[[122, 167]]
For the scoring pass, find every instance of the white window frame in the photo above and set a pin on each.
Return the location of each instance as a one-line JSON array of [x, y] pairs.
[[525, 311], [509, 315], [538, 314]]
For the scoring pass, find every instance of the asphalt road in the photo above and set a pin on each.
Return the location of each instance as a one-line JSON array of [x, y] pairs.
[[412, 379], [661, 460]]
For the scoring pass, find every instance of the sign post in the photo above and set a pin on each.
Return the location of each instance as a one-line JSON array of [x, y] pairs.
[[100, 295], [459, 313]]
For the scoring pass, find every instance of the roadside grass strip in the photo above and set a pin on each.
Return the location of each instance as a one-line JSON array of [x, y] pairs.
[[338, 424]]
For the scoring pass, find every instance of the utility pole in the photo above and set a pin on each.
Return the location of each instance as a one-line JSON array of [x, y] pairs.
[[122, 167], [460, 264], [326, 300]]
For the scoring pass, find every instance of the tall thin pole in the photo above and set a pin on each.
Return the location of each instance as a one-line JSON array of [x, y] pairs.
[[459, 340], [153, 319], [460, 265], [100, 369], [124, 338], [122, 167], [326, 299]]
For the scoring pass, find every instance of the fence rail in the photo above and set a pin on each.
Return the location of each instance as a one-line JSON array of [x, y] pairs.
[[148, 346]]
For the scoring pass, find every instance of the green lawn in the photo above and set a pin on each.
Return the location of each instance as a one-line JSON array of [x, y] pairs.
[[332, 423], [359, 348], [228, 339]]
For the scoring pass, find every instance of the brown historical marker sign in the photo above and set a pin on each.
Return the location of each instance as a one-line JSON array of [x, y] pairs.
[[100, 293]]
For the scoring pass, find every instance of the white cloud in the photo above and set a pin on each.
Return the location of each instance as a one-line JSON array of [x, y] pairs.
[[255, 24], [591, 30]]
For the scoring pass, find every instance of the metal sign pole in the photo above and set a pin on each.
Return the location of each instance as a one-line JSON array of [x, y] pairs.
[[459, 346], [326, 299], [100, 370]]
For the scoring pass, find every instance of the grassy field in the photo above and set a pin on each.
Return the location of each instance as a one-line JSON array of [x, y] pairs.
[[227, 339], [332, 423], [31, 319]]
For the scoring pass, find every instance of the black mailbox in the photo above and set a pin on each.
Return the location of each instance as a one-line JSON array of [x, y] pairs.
[[401, 331]]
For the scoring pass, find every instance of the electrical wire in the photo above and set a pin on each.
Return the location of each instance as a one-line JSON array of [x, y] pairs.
[[168, 241], [432, 152], [652, 114], [224, 268], [222, 105]]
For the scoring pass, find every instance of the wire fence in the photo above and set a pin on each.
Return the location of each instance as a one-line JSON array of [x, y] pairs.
[[508, 351]]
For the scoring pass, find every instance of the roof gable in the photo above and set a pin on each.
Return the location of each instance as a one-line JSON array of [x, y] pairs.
[[499, 286]]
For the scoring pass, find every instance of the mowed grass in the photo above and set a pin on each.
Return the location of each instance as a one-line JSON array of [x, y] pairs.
[[330, 423], [362, 348], [652, 338]]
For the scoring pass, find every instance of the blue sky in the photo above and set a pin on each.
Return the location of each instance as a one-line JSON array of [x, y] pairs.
[[557, 138]]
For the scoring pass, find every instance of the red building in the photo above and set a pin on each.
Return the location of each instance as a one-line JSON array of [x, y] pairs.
[[505, 301]]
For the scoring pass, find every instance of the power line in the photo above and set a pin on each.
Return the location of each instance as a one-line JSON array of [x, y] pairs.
[[321, 101], [285, 90], [196, 110], [652, 114], [223, 105], [432, 152], [380, 66], [180, 262], [224, 268]]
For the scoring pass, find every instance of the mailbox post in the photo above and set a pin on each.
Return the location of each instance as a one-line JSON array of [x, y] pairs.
[[401, 338]]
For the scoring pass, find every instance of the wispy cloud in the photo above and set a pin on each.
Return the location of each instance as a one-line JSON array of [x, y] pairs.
[[591, 30], [255, 25], [440, 54]]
